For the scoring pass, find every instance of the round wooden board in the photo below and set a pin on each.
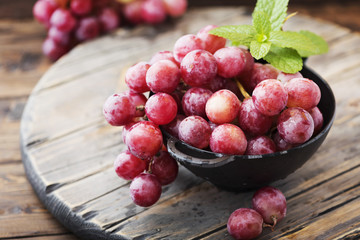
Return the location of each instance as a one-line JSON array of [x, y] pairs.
[[68, 149]]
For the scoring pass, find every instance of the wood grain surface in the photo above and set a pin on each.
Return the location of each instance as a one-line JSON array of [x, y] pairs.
[[68, 149]]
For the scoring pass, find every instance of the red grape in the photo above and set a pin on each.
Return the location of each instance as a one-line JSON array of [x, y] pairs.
[[161, 108], [145, 190], [230, 61], [318, 119], [163, 76], [125, 130], [88, 28], [175, 8], [212, 42], [127, 166], [281, 144], [195, 131], [153, 11], [63, 20], [164, 167], [139, 101], [194, 101], [43, 9], [173, 127], [228, 139], [132, 12], [259, 73], [186, 44], [135, 77], [108, 19], [163, 55], [60, 37], [285, 77], [53, 50], [260, 145], [244, 224], [81, 7], [119, 109]]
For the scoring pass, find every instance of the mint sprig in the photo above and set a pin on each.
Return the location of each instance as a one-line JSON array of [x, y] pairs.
[[266, 39]]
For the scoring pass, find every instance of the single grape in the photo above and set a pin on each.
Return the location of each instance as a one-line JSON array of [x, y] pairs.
[[303, 93], [259, 73], [144, 139], [228, 139], [318, 119], [175, 8], [244, 224], [89, 28], [139, 100], [108, 19], [63, 20], [135, 77], [81, 7], [132, 12], [194, 101], [212, 42], [127, 166], [270, 202], [161, 108], [251, 121], [99, 3], [281, 144], [222, 107], [42, 11], [119, 109], [260, 145], [195, 131], [163, 55], [295, 125], [163, 76], [230, 61], [270, 97], [285, 77], [53, 50], [60, 37], [145, 190], [198, 68], [153, 11], [164, 167], [186, 44], [173, 127]]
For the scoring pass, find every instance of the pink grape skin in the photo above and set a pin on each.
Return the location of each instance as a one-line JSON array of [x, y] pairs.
[[259, 73], [153, 11], [81, 7], [165, 168], [285, 77], [281, 144], [270, 97], [63, 20], [145, 190], [163, 76], [228, 139], [230, 61], [198, 67], [163, 55], [295, 125], [194, 101], [251, 121], [222, 107], [132, 12], [186, 44], [119, 109], [139, 100], [89, 28], [175, 8], [244, 224], [144, 139], [270, 203], [53, 50], [127, 166], [108, 19], [195, 131], [302, 93], [212, 42], [135, 77], [161, 108], [173, 127], [260, 145], [43, 9], [62, 38], [318, 119], [125, 130]]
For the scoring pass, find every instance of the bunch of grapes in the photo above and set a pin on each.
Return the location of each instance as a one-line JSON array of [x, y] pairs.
[[70, 22]]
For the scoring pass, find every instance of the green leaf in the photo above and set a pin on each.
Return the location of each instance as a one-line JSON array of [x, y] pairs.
[[261, 23], [293, 40], [239, 34], [259, 49], [320, 44], [275, 9], [285, 59]]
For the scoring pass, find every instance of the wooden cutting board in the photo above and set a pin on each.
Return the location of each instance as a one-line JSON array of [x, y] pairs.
[[68, 149]]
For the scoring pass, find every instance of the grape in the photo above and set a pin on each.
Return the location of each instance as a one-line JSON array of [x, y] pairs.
[[295, 125], [145, 190], [228, 139], [249, 64], [173, 127], [285, 77], [230, 61], [281, 144], [163, 76], [119, 109], [164, 167], [144, 139], [318, 119], [125, 130], [53, 50], [270, 97], [212, 42], [132, 12], [195, 131], [108, 19], [175, 8], [186, 44], [88, 28], [42, 11], [135, 77], [61, 38], [163, 55], [251, 121], [270, 202], [63, 20], [302, 93], [259, 73], [245, 223], [198, 67], [127, 166], [161, 108], [222, 107], [260, 145], [81, 7], [194, 101], [153, 11], [139, 101]]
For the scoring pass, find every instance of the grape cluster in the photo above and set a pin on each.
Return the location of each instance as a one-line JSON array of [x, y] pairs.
[[70, 22], [268, 208]]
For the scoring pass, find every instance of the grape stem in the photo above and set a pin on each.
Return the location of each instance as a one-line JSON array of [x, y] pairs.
[[140, 107], [272, 226], [242, 90]]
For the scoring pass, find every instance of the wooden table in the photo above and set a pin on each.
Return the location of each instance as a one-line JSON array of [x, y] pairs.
[[22, 65]]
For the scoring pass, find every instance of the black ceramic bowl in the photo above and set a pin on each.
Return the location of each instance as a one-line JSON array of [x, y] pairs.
[[244, 172]]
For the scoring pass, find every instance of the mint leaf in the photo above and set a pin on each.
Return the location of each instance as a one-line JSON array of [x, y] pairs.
[[261, 23], [285, 59], [275, 9], [259, 49], [239, 34], [293, 40], [320, 44]]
